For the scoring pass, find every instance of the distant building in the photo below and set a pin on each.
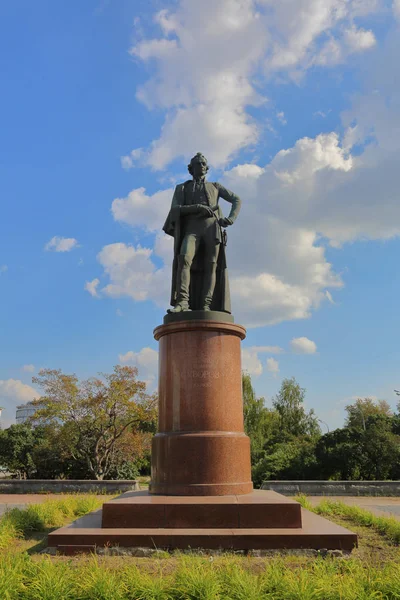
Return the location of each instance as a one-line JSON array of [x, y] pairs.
[[24, 411]]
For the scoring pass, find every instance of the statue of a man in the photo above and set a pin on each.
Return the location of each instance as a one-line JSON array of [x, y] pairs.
[[199, 274]]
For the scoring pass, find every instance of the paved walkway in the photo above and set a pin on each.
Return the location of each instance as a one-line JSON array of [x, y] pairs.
[[379, 505]]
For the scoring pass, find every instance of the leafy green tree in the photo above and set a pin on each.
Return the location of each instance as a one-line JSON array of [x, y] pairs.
[[354, 453], [260, 423], [282, 439], [294, 421], [95, 418], [362, 409], [16, 448], [293, 459], [340, 454]]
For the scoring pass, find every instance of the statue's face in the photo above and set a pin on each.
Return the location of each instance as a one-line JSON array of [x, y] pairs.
[[199, 167]]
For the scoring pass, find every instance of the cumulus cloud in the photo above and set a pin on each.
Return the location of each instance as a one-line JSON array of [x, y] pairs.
[[28, 368], [327, 190], [303, 345], [61, 244], [272, 366], [288, 274], [133, 273], [299, 28], [251, 362], [91, 287], [138, 209], [12, 393], [209, 59], [146, 360], [14, 389]]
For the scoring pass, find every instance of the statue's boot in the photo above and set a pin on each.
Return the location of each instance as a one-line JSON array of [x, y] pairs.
[[210, 277], [178, 308]]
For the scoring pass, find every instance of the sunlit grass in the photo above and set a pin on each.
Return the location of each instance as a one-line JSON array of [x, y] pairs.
[[17, 523], [386, 526], [189, 576]]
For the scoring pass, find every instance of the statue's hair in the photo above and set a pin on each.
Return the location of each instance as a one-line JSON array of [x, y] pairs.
[[198, 155]]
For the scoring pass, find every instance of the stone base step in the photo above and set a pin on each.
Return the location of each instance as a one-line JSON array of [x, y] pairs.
[[260, 509], [316, 532]]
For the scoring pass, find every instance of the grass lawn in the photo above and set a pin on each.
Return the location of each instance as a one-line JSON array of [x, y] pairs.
[[371, 572]]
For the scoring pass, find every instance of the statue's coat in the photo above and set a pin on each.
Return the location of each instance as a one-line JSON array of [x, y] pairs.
[[174, 226]]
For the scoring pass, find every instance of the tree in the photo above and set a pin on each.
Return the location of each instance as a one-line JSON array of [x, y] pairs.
[[293, 459], [260, 423], [16, 447], [94, 418], [355, 453], [293, 418], [362, 408], [340, 455]]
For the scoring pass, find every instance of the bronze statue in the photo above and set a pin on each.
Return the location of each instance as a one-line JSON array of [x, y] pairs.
[[196, 222]]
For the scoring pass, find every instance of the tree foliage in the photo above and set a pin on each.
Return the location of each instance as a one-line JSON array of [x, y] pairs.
[[362, 409], [260, 423], [102, 428], [17, 444], [287, 442], [294, 421], [99, 422]]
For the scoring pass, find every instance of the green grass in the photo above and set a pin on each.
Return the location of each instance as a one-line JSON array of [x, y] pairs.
[[196, 578], [181, 576], [385, 526], [18, 523]]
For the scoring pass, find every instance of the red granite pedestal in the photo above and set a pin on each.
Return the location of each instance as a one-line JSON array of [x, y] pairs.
[[201, 448], [201, 494]]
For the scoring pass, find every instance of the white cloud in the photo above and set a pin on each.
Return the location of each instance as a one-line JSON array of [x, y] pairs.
[[16, 390], [300, 27], [303, 345], [91, 287], [272, 366], [119, 312], [129, 161], [288, 274], [28, 368], [396, 7], [133, 273], [12, 393], [60, 244], [318, 192], [359, 39], [281, 118], [251, 361], [212, 58], [146, 360], [141, 210], [3, 269]]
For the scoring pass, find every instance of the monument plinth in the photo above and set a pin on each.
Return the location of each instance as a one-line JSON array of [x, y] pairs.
[[201, 448]]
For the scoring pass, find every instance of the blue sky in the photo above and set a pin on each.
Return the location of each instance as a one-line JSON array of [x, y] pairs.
[[296, 104]]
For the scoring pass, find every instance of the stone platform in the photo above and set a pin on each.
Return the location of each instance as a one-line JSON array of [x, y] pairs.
[[260, 520], [256, 510]]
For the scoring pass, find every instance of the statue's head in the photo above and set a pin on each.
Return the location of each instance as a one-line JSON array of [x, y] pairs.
[[198, 166]]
